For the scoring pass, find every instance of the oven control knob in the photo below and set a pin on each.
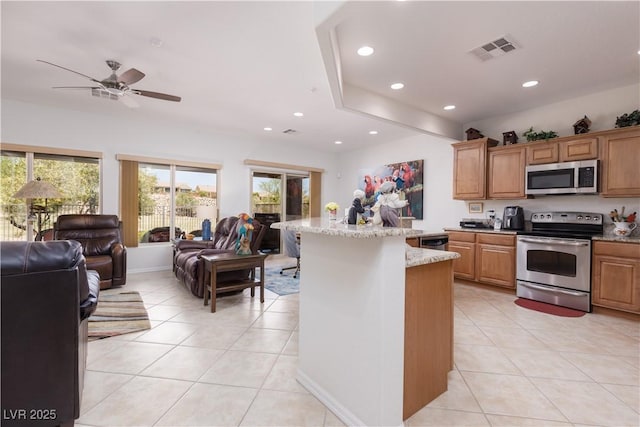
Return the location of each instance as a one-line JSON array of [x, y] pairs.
[[580, 217], [588, 217], [548, 216], [595, 218], [535, 216]]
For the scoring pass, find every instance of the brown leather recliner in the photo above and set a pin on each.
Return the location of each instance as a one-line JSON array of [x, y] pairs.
[[47, 295], [189, 268], [101, 240]]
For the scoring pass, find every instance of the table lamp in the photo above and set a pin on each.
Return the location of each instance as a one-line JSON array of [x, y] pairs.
[[37, 189]]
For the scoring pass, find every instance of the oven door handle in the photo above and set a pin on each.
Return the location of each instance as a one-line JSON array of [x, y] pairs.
[[555, 290], [553, 241]]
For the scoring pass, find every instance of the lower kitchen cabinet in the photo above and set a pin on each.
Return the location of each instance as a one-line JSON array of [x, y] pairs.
[[496, 260], [616, 275], [463, 243], [486, 258]]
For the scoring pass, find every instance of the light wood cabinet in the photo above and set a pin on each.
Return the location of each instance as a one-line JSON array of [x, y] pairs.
[[463, 243], [506, 172], [584, 148], [484, 257], [619, 160], [470, 168], [616, 275], [540, 153], [496, 260]]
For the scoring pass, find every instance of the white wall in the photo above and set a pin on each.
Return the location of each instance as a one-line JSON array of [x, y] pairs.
[[30, 124], [440, 210]]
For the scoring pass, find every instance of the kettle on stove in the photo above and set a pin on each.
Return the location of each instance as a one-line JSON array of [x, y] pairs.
[[513, 218]]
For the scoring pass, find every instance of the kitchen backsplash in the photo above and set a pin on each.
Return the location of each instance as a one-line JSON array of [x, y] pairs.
[[582, 203]]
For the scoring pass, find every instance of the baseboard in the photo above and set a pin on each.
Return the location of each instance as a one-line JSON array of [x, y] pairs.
[[148, 270], [321, 394]]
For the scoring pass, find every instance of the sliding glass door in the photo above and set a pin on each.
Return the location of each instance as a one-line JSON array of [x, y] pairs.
[[278, 196]]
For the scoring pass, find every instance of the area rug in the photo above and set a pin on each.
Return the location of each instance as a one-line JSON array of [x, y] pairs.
[[543, 307], [118, 313], [281, 284]]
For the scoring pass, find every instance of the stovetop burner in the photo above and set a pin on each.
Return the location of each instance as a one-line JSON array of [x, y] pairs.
[[565, 224]]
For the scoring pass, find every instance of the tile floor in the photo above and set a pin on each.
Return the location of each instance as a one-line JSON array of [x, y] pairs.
[[513, 367]]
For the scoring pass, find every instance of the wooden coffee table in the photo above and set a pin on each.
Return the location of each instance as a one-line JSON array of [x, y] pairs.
[[214, 264]]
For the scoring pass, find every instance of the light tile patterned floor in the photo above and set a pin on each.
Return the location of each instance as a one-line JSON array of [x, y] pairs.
[[513, 366]]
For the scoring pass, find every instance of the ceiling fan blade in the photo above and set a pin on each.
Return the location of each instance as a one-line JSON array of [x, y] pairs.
[[129, 101], [131, 76], [157, 95], [76, 87], [67, 69]]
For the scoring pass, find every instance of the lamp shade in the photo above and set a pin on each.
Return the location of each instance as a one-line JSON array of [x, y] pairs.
[[37, 189], [208, 212]]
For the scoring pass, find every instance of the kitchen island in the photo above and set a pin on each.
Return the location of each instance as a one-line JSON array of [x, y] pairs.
[[376, 320]]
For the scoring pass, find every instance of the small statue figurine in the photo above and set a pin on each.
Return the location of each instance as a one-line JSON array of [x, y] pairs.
[[386, 208], [356, 210], [245, 229]]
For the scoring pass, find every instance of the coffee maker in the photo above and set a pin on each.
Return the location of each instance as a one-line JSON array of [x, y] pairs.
[[513, 218]]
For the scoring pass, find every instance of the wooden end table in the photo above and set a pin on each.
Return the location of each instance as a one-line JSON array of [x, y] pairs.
[[214, 264]]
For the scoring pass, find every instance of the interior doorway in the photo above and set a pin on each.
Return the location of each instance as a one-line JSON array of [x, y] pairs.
[[278, 196]]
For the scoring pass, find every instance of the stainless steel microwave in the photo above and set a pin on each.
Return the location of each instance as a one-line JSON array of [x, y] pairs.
[[562, 178]]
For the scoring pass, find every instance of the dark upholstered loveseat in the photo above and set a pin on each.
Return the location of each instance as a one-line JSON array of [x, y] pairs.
[[47, 295], [187, 265], [101, 240]]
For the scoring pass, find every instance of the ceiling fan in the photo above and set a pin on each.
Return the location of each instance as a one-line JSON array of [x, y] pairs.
[[116, 87]]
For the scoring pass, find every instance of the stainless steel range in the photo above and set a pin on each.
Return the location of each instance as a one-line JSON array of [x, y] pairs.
[[554, 258]]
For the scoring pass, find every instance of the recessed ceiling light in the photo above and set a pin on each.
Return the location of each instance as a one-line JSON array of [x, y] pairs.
[[365, 51], [268, 129], [298, 114], [639, 52], [397, 86], [530, 83], [156, 42], [449, 107], [373, 132], [337, 142]]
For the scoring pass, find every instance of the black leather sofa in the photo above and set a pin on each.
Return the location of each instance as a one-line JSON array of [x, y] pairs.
[[46, 297]]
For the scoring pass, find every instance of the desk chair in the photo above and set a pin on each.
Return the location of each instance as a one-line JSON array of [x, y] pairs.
[[292, 249]]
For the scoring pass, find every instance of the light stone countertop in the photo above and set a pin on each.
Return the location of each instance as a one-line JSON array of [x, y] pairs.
[[336, 228], [618, 239], [481, 230], [418, 256]]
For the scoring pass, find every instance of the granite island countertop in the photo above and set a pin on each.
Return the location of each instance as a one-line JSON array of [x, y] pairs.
[[335, 228], [420, 256]]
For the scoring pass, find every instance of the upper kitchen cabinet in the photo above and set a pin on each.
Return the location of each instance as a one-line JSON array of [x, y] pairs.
[[542, 152], [506, 172], [584, 148], [470, 168], [619, 162]]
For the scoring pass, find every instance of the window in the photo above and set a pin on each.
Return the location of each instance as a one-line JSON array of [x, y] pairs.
[[75, 174], [170, 199]]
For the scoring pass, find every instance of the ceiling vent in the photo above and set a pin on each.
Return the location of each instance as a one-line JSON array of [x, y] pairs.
[[101, 93], [499, 47], [289, 131]]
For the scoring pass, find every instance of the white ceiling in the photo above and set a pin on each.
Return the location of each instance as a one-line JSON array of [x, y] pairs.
[[241, 66]]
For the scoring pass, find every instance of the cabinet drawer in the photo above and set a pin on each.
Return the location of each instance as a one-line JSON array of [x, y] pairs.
[[462, 236], [623, 250], [496, 239]]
